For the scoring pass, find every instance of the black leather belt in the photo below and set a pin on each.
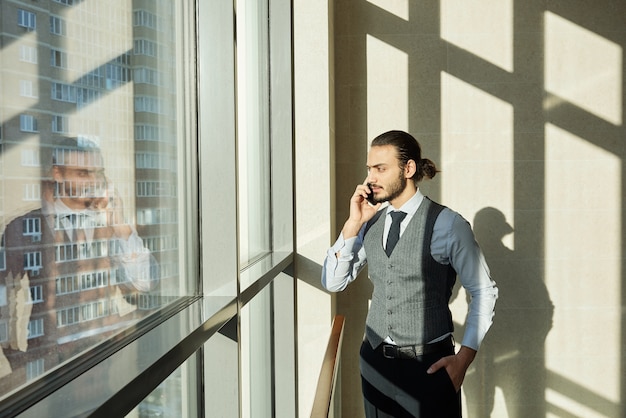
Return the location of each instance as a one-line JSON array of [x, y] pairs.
[[414, 351]]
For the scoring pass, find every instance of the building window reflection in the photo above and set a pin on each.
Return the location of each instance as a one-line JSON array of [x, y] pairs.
[[35, 328], [26, 19], [34, 369], [28, 54], [57, 26], [28, 123], [90, 247], [36, 294]]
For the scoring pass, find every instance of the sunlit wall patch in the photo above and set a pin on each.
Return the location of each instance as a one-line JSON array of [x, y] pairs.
[[583, 68]]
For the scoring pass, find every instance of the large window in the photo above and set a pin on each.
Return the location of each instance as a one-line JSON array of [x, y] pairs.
[[153, 158], [92, 241]]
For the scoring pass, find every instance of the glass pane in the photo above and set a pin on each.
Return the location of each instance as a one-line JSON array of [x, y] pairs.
[[167, 399], [284, 331], [253, 129], [89, 391], [221, 374], [217, 148], [89, 179], [256, 356]]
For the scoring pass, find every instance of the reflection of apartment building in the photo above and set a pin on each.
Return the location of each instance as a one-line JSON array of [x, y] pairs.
[[71, 295], [72, 68]]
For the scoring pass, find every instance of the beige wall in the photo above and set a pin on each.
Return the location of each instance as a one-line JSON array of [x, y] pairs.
[[521, 104], [314, 134]]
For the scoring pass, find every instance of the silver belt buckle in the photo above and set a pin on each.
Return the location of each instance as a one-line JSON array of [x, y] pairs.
[[419, 349], [389, 351]]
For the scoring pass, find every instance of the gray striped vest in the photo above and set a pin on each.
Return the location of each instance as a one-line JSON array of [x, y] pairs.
[[411, 289]]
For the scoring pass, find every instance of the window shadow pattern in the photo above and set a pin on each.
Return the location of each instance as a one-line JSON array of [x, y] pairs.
[[513, 358]]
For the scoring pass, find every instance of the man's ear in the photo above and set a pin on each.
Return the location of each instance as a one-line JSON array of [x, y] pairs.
[[57, 174], [410, 168]]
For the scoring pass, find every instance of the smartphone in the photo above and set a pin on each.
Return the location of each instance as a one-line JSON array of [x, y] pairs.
[[370, 195]]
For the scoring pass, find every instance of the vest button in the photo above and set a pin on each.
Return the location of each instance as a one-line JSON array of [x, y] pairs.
[[388, 297], [389, 327], [389, 312]]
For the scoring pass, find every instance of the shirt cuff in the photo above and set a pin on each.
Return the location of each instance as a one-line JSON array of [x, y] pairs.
[[345, 248]]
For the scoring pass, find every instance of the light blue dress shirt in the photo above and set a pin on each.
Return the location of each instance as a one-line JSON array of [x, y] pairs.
[[452, 243]]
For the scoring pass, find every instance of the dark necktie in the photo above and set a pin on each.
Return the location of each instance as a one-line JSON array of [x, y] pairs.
[[394, 231], [77, 222], [70, 226]]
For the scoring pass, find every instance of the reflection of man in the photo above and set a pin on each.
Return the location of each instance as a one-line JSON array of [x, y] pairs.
[[84, 201], [414, 249], [79, 266]]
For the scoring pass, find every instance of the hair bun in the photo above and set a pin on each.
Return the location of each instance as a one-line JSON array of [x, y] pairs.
[[428, 168]]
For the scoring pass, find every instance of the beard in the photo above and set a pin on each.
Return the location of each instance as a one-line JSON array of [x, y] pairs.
[[393, 190], [80, 193]]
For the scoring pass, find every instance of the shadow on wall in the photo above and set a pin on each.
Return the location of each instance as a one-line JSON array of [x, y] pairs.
[[393, 70], [512, 356]]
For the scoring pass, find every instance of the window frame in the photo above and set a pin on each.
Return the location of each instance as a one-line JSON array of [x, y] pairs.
[[28, 123], [58, 26], [28, 53], [28, 89], [60, 124], [36, 294], [26, 19], [38, 330], [205, 314]]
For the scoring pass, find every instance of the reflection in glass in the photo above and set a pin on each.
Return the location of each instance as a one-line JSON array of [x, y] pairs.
[[164, 401], [89, 158], [256, 356], [253, 130]]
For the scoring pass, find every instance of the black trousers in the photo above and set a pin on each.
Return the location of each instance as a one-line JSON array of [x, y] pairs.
[[401, 387]]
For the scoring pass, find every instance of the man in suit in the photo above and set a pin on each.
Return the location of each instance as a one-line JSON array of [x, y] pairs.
[[415, 248]]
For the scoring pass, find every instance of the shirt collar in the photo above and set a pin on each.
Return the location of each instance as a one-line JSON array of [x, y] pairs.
[[61, 208], [410, 206]]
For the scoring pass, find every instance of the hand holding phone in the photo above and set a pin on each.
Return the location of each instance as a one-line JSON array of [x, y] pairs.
[[370, 195]]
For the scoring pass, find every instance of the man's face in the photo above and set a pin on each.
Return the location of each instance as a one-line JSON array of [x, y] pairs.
[[80, 179], [386, 178]]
